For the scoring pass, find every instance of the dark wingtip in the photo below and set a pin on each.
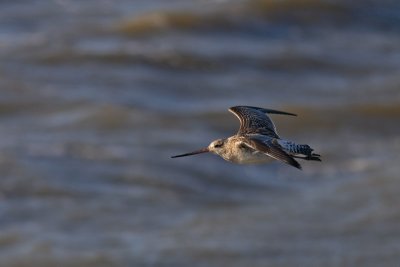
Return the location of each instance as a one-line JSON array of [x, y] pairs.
[[274, 151], [271, 111], [265, 110], [295, 164]]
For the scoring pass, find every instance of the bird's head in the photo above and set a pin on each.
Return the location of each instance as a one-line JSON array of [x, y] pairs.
[[215, 147]]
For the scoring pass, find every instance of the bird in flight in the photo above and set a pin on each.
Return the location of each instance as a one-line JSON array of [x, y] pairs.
[[257, 141]]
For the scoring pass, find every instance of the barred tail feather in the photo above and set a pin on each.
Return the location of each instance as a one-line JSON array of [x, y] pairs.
[[296, 149], [303, 149]]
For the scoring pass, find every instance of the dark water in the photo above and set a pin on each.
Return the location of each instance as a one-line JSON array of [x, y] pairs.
[[95, 96]]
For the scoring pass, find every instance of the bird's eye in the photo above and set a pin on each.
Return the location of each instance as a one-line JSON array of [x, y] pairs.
[[218, 145], [242, 146]]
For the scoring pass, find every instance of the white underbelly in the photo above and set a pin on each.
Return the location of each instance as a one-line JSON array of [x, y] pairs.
[[252, 158]]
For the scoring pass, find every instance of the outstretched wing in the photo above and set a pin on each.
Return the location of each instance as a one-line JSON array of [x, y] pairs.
[[270, 147], [254, 120]]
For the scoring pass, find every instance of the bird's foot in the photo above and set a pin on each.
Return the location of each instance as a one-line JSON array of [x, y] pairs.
[[312, 156]]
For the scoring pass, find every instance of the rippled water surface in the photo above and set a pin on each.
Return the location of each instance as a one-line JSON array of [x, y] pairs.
[[95, 96]]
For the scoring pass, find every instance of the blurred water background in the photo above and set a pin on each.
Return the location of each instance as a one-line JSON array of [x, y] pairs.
[[96, 95]]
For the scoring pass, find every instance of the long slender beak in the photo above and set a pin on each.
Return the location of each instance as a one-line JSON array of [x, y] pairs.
[[203, 150]]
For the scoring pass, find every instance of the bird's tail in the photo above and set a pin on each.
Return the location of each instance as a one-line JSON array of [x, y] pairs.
[[296, 150]]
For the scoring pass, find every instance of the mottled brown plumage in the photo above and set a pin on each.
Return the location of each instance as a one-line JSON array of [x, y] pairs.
[[257, 141]]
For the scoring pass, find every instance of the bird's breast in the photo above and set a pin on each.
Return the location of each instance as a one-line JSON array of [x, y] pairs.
[[243, 154], [253, 158]]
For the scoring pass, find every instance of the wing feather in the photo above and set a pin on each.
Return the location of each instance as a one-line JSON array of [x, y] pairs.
[[254, 120], [273, 150]]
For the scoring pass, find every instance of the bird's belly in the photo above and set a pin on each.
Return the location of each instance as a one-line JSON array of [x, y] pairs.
[[251, 158]]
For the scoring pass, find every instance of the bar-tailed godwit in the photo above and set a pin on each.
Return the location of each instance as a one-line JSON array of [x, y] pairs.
[[257, 141]]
